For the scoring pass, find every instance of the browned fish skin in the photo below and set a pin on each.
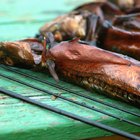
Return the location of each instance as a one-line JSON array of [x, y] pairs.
[[24, 53], [129, 22], [119, 40], [67, 26], [88, 66], [95, 68], [105, 10], [76, 23]]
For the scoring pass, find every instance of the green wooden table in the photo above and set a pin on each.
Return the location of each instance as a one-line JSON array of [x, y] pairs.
[[19, 120]]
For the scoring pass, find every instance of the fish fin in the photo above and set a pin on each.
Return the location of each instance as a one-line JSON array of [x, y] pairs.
[[51, 67]]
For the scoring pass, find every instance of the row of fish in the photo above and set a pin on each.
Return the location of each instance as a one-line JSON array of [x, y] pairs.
[[95, 46]]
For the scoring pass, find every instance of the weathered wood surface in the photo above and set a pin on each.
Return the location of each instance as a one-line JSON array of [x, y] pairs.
[[19, 120]]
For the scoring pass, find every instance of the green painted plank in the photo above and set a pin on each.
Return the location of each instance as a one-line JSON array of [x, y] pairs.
[[23, 121], [25, 10], [19, 31]]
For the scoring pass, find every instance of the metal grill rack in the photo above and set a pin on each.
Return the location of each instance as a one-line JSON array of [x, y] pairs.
[[84, 104]]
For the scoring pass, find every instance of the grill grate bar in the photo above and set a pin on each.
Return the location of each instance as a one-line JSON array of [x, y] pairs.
[[70, 115], [72, 101], [70, 91]]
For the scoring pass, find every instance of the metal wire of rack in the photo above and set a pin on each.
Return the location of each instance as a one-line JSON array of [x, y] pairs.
[[67, 113]]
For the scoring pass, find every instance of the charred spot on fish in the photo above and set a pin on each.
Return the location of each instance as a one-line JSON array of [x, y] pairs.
[[9, 61], [131, 97], [90, 79], [1, 54], [125, 95], [102, 84]]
